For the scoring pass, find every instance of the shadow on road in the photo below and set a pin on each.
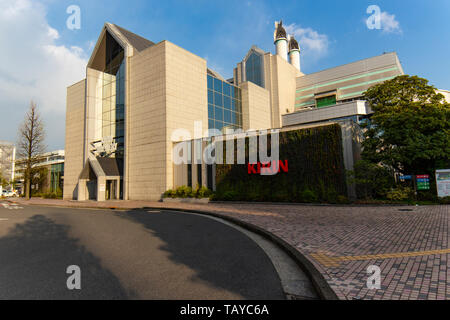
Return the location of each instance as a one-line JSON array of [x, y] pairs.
[[34, 257], [219, 254]]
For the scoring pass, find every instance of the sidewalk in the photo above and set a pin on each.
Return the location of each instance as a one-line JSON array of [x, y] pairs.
[[411, 245]]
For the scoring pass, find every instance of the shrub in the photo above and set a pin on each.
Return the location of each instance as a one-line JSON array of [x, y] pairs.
[[202, 192], [229, 196], [188, 192], [170, 194], [184, 192], [372, 180], [342, 200], [445, 200], [399, 194], [49, 195], [308, 196]]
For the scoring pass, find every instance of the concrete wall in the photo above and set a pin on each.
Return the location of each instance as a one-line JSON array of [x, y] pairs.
[[186, 100], [167, 91], [255, 107], [323, 114], [74, 150], [280, 79], [145, 124]]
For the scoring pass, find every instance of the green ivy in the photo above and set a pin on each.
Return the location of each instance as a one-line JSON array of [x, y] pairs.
[[316, 171]]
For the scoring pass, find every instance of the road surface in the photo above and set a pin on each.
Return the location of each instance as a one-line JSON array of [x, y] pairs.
[[139, 254]]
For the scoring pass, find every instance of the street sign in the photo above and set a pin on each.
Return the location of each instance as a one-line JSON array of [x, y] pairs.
[[443, 183], [423, 182], [406, 178]]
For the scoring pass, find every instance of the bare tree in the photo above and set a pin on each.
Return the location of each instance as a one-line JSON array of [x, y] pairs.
[[30, 144]]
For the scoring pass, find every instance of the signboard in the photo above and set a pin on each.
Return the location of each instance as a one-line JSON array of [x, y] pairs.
[[423, 182], [406, 178], [443, 183], [102, 188]]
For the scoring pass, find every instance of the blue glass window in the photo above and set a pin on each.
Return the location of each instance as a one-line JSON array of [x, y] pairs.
[[253, 69], [226, 89], [219, 125], [210, 82], [217, 85], [227, 116], [210, 97], [218, 113], [218, 99], [233, 117], [210, 111], [223, 105], [227, 102]]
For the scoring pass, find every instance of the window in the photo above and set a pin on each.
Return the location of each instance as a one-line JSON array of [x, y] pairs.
[[224, 105], [326, 101], [113, 93], [253, 69], [199, 175]]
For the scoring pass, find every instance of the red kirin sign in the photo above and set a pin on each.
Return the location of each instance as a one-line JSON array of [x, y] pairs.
[[269, 168]]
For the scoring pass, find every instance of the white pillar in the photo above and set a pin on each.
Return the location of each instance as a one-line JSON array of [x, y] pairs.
[[282, 48], [294, 57]]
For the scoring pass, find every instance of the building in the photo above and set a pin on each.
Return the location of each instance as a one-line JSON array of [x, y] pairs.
[[140, 97], [446, 94], [7, 161], [48, 173]]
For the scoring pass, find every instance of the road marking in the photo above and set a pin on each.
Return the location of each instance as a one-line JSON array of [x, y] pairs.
[[330, 261], [13, 206]]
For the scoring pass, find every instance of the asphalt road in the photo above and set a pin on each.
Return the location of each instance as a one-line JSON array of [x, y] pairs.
[[151, 254]]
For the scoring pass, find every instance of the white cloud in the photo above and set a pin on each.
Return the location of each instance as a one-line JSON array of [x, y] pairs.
[[34, 67], [389, 24], [311, 42]]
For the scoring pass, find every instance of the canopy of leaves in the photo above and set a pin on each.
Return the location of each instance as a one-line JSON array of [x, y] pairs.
[[409, 130]]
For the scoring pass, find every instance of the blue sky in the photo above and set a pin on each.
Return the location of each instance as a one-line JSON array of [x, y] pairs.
[[330, 33]]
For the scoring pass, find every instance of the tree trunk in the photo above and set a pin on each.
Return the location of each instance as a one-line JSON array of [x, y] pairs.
[[27, 185]]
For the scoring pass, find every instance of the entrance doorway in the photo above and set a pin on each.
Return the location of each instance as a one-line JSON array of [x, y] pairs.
[[91, 186], [111, 190]]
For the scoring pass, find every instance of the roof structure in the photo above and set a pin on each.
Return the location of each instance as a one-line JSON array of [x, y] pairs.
[[293, 44], [280, 32], [138, 42]]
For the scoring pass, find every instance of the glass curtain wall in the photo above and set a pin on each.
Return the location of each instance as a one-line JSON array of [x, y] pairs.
[[253, 69], [224, 105], [113, 102]]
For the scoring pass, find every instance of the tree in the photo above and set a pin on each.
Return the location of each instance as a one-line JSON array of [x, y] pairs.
[[30, 144], [409, 130]]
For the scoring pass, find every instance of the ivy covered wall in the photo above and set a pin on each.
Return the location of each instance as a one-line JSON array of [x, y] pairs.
[[316, 170]]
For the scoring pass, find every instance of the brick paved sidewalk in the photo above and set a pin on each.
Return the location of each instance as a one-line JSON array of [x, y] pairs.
[[410, 247]]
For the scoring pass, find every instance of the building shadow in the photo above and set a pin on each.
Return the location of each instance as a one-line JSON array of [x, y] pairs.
[[34, 257], [219, 254]]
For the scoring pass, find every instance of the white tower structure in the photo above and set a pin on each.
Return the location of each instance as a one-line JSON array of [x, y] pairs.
[[280, 40], [294, 52]]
